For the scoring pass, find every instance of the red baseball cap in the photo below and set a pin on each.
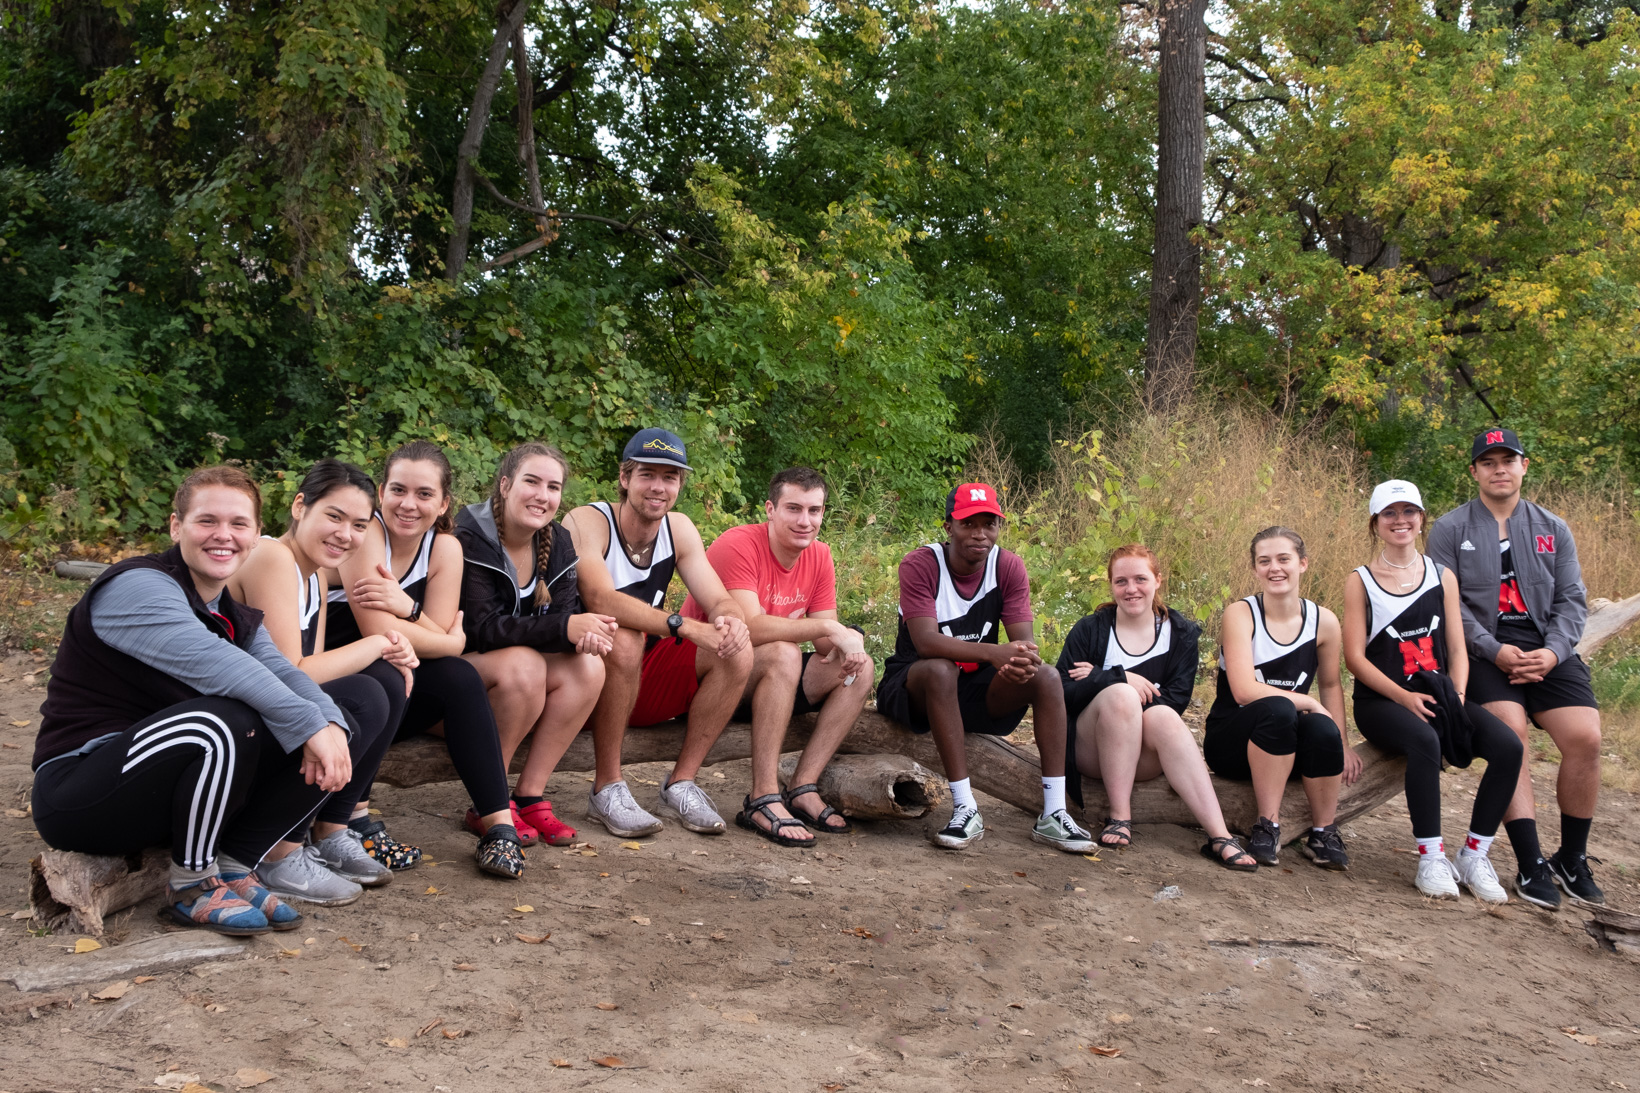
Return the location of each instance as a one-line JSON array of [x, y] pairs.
[[972, 498]]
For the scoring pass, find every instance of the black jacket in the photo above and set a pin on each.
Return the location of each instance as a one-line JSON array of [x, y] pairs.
[[496, 616], [1449, 719], [1088, 640]]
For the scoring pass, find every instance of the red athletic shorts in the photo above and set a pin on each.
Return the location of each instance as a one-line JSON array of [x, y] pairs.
[[668, 682]]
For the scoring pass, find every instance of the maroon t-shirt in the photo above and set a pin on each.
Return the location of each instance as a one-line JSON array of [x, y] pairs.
[[920, 582]]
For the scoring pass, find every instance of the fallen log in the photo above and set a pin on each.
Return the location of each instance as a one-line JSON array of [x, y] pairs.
[[996, 767], [875, 787], [1606, 620], [1615, 931], [79, 891]]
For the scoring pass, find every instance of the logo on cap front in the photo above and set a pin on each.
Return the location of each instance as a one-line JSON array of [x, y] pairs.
[[1495, 437], [977, 495], [657, 444]]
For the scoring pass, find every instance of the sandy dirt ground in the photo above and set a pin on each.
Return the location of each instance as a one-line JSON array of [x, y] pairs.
[[874, 962]]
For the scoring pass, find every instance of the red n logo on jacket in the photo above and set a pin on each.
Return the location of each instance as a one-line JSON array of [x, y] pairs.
[[1545, 544], [1418, 654]]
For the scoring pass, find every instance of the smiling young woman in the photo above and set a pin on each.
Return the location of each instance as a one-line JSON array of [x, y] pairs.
[[152, 732], [406, 577]]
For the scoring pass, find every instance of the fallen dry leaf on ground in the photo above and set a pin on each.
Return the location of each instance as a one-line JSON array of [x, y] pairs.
[[528, 940], [247, 1076], [641, 920], [560, 1062], [113, 992], [19, 724], [1571, 1032], [431, 891], [141, 979], [175, 1079], [590, 854], [632, 846], [801, 880], [860, 931], [524, 908], [1019, 872], [429, 1027], [215, 1007], [605, 1006], [86, 945], [290, 952], [720, 937], [611, 1061], [466, 967], [453, 1033], [1016, 1005], [1106, 1052], [1120, 1018], [351, 945], [395, 1041]]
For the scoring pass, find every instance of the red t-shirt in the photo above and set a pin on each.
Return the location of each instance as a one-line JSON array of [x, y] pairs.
[[920, 582], [744, 560]]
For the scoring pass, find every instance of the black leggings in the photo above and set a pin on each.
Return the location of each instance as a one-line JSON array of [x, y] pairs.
[[204, 776], [1401, 732], [376, 697], [1275, 725], [450, 690]]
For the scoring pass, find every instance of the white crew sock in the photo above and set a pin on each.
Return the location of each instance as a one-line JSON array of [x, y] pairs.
[[1053, 794], [1479, 845], [1430, 847], [962, 795]]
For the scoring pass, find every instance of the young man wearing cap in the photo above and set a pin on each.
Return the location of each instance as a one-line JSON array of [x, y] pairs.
[[783, 578], [628, 553], [949, 674], [1524, 606]]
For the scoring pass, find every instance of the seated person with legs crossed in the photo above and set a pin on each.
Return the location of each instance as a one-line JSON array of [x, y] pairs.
[[949, 675]]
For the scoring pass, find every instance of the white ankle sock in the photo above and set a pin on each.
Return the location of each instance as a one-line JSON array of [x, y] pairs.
[[360, 813], [1479, 845], [962, 795], [1053, 794], [1430, 847]]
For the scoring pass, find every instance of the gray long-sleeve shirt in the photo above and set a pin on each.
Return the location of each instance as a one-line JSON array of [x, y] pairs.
[[143, 614]]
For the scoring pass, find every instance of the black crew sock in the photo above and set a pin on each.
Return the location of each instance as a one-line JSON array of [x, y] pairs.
[[1574, 835], [1523, 837], [524, 802]]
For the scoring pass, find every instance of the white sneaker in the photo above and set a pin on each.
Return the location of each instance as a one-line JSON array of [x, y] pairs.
[[1437, 877], [691, 807], [1477, 874], [614, 807]]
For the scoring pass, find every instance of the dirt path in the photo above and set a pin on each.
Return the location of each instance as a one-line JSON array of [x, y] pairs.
[[873, 963]]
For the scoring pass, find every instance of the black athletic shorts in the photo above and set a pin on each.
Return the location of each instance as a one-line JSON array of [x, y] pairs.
[[1567, 685], [743, 712], [894, 702]]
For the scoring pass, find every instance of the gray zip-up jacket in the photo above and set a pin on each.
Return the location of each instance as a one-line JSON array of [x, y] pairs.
[[1465, 540]]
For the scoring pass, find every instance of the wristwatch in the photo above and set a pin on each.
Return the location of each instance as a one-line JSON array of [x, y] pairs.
[[673, 622], [415, 611]]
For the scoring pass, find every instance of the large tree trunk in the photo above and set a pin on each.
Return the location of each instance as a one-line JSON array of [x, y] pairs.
[[1175, 282], [509, 22]]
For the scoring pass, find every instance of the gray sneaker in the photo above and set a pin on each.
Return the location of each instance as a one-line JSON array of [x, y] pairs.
[[687, 803], [614, 807], [965, 829], [302, 875], [344, 854], [1057, 829]]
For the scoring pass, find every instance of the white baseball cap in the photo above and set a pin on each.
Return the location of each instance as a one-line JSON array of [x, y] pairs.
[[1388, 493]]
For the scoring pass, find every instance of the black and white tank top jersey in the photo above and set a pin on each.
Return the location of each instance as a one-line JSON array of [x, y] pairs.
[[1290, 667], [649, 583], [308, 601], [976, 618], [341, 628], [1150, 663], [1404, 631]]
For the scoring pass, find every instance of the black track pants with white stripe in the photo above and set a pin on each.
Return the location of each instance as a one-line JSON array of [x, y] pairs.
[[202, 777]]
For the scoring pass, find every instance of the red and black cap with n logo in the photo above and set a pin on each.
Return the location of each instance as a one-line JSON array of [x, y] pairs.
[[1495, 438]]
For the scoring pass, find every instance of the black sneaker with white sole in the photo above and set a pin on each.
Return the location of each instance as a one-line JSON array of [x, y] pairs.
[[1573, 876], [1326, 848], [1535, 885]]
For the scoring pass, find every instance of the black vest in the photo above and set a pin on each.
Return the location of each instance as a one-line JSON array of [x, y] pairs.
[[95, 689]]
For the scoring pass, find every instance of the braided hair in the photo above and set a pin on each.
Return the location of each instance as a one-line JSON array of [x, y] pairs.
[[498, 506]]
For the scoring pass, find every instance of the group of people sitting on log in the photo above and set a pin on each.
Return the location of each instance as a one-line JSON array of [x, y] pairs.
[[234, 696]]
